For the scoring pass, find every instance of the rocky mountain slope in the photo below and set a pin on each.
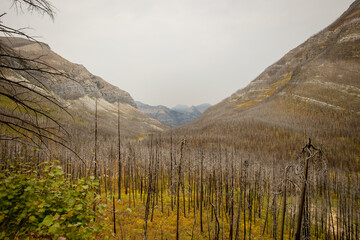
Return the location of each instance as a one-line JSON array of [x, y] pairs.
[[79, 89], [179, 115], [313, 91]]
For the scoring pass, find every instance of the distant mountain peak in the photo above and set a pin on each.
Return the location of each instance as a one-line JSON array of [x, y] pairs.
[[180, 108], [178, 115], [194, 110]]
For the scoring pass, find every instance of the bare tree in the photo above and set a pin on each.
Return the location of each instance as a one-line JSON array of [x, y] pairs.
[[119, 152], [178, 189]]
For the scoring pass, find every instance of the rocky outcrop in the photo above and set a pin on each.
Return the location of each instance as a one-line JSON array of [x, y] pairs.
[[80, 81], [73, 88]]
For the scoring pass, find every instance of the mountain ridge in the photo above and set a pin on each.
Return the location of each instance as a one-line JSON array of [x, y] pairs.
[[314, 90], [80, 82], [173, 117], [77, 89]]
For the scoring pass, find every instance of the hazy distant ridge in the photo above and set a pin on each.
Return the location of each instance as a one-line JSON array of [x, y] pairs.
[[178, 115]]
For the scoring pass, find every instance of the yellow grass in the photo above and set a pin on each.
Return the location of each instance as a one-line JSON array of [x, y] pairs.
[[266, 93]]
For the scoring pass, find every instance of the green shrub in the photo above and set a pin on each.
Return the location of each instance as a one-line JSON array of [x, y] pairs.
[[48, 206]]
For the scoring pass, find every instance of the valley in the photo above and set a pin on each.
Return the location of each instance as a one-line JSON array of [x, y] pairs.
[[176, 116], [278, 159]]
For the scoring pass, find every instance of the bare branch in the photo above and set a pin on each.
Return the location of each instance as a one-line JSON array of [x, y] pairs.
[[43, 7]]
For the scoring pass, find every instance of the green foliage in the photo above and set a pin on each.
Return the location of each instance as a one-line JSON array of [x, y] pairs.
[[48, 206]]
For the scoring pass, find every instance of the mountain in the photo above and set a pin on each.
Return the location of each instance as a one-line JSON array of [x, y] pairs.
[[180, 108], [313, 91], [82, 82], [79, 89], [171, 117], [163, 114], [202, 107], [190, 114]]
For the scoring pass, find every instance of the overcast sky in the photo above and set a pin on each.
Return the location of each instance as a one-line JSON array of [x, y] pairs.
[[172, 52]]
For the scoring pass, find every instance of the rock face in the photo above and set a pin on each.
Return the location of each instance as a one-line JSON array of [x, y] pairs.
[[77, 90], [314, 90], [176, 116], [80, 82]]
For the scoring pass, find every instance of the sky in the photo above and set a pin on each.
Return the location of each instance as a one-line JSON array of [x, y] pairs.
[[168, 52]]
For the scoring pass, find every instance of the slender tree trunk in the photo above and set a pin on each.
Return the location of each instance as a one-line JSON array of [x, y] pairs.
[[284, 206], [96, 141], [302, 201], [105, 182], [119, 154], [201, 191], [267, 206], [114, 216], [171, 173], [244, 202], [95, 154], [194, 222], [149, 191], [232, 200], [183, 190], [217, 225], [331, 215], [178, 190]]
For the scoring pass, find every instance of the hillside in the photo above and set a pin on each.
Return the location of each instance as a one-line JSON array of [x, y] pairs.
[[313, 91], [77, 90]]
